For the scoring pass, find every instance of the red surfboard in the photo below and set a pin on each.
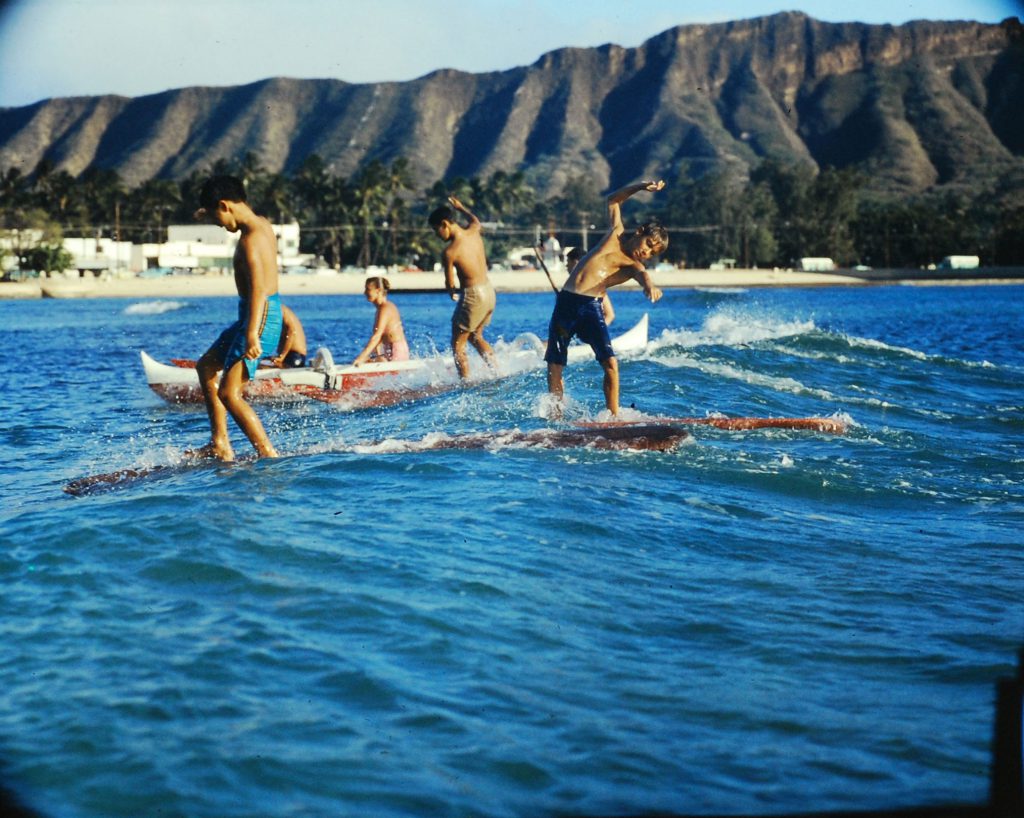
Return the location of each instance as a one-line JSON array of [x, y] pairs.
[[828, 425], [658, 437]]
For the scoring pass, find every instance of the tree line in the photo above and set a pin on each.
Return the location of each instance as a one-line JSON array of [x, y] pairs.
[[769, 218]]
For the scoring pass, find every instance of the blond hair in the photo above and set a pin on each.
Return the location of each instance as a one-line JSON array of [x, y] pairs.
[[380, 282]]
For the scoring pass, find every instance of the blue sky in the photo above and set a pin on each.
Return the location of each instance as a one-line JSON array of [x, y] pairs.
[[53, 48]]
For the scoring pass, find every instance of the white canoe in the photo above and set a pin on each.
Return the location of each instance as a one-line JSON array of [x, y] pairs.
[[179, 383]]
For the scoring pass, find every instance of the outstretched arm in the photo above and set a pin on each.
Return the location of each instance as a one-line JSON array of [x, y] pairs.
[[643, 278], [619, 196]]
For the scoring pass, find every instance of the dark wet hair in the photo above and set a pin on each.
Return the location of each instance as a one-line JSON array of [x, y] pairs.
[[379, 282], [221, 188], [442, 214], [655, 232]]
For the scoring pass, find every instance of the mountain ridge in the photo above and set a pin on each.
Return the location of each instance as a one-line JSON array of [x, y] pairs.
[[915, 106]]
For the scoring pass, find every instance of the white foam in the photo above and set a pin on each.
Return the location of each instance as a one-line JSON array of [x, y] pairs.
[[732, 328], [871, 343], [754, 378], [154, 307]]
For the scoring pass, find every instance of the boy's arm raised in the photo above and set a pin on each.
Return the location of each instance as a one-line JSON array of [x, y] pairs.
[[619, 196], [473, 220]]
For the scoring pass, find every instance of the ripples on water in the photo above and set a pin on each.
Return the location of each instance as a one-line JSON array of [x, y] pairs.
[[758, 622]]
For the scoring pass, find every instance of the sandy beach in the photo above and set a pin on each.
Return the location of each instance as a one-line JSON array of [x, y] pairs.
[[349, 283]]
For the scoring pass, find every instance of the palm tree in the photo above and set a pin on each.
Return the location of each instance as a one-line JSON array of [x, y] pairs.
[[272, 196], [59, 194], [103, 194], [398, 181], [371, 201], [149, 206], [251, 171], [308, 188], [14, 194]]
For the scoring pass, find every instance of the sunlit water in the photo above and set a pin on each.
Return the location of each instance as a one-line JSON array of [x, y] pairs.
[[762, 621]]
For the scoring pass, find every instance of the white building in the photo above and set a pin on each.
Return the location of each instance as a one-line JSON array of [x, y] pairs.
[[189, 247], [959, 263], [817, 265], [99, 254]]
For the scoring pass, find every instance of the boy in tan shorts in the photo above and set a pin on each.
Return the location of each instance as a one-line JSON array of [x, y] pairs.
[[464, 257]]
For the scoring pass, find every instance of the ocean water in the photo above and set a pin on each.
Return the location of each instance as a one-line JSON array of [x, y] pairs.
[[760, 622]]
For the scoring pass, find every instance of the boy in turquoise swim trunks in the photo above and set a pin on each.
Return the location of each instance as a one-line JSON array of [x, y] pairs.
[[234, 356]]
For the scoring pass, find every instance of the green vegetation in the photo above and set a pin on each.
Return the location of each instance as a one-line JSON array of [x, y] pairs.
[[48, 258], [778, 214]]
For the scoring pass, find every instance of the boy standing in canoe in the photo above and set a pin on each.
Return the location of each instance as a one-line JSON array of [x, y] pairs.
[[619, 257], [237, 352], [465, 257]]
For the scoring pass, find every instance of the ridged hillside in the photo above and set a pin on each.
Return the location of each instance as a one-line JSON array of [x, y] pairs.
[[914, 106]]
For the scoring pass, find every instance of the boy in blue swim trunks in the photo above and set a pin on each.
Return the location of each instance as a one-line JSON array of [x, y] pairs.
[[619, 257], [234, 356]]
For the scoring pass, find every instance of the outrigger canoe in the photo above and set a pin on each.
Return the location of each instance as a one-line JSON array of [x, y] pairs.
[[178, 381]]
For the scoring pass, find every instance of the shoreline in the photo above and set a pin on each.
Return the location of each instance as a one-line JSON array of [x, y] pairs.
[[199, 286]]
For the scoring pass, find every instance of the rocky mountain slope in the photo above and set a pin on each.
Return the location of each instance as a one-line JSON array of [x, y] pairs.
[[914, 106]]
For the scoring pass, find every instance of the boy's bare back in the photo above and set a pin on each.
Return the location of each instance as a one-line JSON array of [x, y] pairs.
[[255, 260], [466, 252]]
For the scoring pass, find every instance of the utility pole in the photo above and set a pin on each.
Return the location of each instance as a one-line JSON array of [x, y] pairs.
[[117, 236]]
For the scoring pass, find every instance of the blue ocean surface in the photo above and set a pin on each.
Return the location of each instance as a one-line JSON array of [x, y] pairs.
[[762, 621]]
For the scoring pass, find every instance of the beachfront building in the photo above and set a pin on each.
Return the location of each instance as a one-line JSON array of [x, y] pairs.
[[812, 264], [94, 255], [189, 248], [960, 263], [208, 248]]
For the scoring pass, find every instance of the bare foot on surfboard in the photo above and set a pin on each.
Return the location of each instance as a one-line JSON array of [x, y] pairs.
[[208, 452]]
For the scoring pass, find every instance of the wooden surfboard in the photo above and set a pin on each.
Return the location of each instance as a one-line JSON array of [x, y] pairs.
[[101, 482], [828, 425], [637, 437]]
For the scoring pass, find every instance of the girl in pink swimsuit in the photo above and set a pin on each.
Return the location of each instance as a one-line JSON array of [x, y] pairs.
[[387, 343]]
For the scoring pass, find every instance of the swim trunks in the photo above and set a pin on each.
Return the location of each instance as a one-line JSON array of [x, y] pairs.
[[397, 351], [475, 307], [231, 343], [580, 316], [293, 360]]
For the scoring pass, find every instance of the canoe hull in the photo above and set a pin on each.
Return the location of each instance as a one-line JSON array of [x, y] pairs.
[[179, 383]]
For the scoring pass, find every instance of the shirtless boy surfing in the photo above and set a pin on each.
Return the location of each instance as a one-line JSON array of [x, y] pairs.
[[465, 257], [619, 257], [257, 331]]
